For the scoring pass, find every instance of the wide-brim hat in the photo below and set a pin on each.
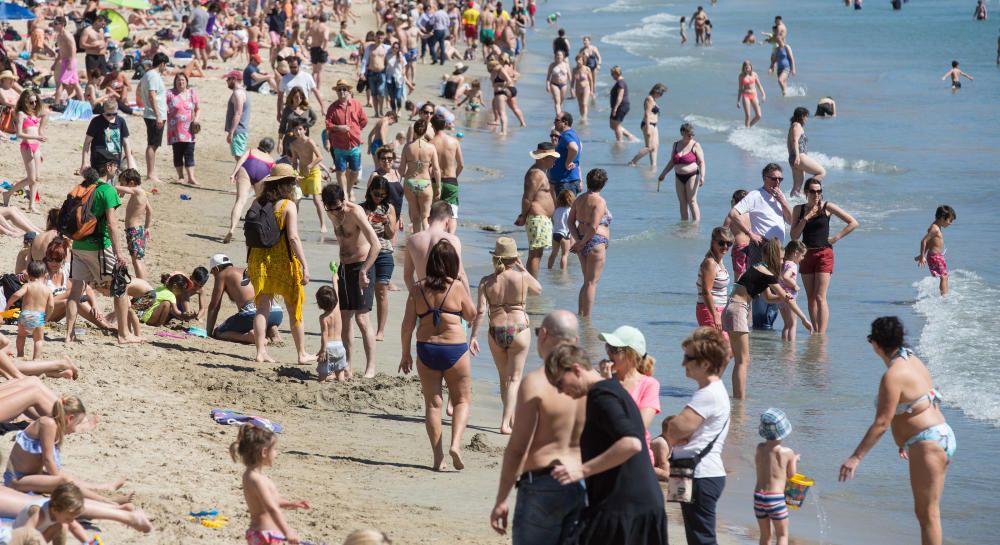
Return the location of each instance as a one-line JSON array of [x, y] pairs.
[[626, 336], [506, 247], [774, 425], [342, 83], [281, 172], [460, 68], [544, 149]]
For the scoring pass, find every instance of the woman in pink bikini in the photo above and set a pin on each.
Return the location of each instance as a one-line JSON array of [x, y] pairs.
[[688, 162], [746, 96], [29, 132]]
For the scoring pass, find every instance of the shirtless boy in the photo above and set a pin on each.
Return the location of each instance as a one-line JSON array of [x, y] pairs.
[[238, 328], [318, 37], [775, 465], [450, 163], [418, 245], [36, 302], [138, 218], [537, 205], [359, 248], [956, 74], [305, 155], [932, 246]]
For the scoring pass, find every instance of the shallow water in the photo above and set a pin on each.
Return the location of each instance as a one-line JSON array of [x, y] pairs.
[[901, 145]]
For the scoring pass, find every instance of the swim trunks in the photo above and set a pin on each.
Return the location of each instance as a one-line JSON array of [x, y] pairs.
[[312, 183], [352, 297], [136, 239], [68, 73], [318, 55], [486, 33], [539, 230], [239, 145], [770, 505], [936, 264], [259, 537], [144, 302], [336, 359], [449, 191], [31, 320]]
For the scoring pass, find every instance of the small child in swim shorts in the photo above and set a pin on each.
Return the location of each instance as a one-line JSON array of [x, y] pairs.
[[332, 358], [36, 301], [932, 246], [257, 449], [775, 465], [138, 218], [306, 156], [795, 252]]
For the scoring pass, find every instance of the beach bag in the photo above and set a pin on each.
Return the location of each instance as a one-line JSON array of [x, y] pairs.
[[9, 284], [76, 218], [680, 484], [8, 123], [260, 227]]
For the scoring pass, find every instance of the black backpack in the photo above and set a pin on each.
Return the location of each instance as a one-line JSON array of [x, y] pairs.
[[260, 227]]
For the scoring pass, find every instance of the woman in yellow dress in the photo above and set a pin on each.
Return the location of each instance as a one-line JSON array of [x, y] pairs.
[[280, 269]]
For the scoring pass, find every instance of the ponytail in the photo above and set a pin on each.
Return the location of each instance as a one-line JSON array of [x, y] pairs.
[[62, 409], [646, 364], [250, 440]]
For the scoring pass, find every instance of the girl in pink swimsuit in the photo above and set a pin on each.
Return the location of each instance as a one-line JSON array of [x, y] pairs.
[[29, 132]]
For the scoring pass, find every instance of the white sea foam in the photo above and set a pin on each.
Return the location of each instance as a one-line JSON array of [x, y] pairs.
[[710, 123], [621, 5], [661, 18], [957, 342], [676, 61], [796, 90], [636, 36], [771, 145]]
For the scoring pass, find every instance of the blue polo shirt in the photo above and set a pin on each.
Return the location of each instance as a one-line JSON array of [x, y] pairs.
[[558, 172]]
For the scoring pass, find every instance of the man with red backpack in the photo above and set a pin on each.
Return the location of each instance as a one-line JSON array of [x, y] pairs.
[[88, 217]]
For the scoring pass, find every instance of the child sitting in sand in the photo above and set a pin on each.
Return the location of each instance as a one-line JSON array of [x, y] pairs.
[[561, 241], [932, 246], [473, 97], [34, 464], [36, 301], [138, 218], [332, 358], [795, 252], [306, 157], [165, 306], [48, 522], [257, 449], [775, 465]]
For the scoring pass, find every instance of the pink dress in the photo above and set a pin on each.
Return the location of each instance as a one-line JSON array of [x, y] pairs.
[[646, 394], [180, 115]]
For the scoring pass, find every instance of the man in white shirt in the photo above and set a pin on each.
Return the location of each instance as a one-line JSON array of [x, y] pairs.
[[300, 79], [154, 114], [768, 212]]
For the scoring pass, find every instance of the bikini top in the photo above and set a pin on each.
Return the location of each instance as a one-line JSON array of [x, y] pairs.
[[507, 307], [756, 282], [29, 121], [932, 396], [656, 109], [606, 218], [33, 445], [747, 80], [686, 159], [437, 312]]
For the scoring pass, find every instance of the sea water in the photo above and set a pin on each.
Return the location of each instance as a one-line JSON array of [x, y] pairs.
[[902, 144]]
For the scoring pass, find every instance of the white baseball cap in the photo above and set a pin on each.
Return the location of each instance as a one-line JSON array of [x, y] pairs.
[[219, 260]]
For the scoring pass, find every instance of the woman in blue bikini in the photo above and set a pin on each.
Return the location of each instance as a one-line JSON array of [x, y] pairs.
[[436, 308], [909, 404], [590, 223]]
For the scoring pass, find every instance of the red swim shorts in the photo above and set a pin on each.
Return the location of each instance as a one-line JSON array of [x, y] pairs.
[[817, 260], [470, 32], [198, 42], [937, 265]]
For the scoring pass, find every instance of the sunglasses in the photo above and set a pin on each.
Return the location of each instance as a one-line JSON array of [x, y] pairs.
[[378, 194], [389, 159], [688, 358], [335, 208], [724, 243], [815, 191], [425, 112], [613, 349], [776, 178]]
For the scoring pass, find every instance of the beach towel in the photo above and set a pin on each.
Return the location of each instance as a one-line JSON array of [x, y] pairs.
[[77, 110], [231, 417]]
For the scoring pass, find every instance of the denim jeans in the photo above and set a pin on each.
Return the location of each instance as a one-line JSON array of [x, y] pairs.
[[545, 509], [699, 515], [764, 314], [395, 91], [573, 185], [438, 38]]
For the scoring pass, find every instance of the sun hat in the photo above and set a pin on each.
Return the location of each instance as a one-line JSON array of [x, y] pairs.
[[544, 149], [219, 260], [281, 171], [233, 74], [342, 83], [626, 335], [460, 68], [506, 247], [774, 425]]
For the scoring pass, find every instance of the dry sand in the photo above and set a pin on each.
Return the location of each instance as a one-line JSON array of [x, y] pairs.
[[358, 452]]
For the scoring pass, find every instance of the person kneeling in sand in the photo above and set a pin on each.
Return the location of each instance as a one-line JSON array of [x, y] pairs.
[[332, 358], [238, 328]]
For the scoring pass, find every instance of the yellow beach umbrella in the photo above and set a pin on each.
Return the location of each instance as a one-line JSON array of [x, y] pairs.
[[118, 27]]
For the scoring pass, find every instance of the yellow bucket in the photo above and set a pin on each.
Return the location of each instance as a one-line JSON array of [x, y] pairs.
[[796, 489]]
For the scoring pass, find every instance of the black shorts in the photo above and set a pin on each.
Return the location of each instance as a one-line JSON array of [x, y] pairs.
[[349, 288], [96, 62], [622, 112], [154, 134], [318, 55], [183, 154]]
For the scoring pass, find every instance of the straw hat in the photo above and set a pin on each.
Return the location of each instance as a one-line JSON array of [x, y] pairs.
[[342, 84], [460, 68], [281, 172], [544, 149], [505, 248], [7, 74]]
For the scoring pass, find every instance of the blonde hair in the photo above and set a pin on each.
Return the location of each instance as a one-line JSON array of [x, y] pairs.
[[562, 359], [250, 440], [63, 409], [644, 363], [67, 498], [367, 537], [565, 198], [501, 264]]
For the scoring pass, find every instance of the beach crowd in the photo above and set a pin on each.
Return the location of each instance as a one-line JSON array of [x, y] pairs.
[[579, 450]]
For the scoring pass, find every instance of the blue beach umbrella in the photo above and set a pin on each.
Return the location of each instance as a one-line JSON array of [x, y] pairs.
[[14, 12]]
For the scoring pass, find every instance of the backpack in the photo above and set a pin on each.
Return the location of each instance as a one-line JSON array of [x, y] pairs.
[[76, 218], [260, 227]]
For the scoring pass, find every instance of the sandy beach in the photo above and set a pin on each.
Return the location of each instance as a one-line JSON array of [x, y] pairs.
[[357, 451]]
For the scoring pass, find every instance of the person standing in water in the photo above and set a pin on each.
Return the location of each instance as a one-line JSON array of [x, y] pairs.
[[782, 63], [650, 116], [746, 96], [538, 205], [955, 73]]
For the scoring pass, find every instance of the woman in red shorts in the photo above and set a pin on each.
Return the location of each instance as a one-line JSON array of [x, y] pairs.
[[811, 223]]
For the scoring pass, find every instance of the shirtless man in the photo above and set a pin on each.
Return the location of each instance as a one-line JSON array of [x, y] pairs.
[[698, 19], [487, 20], [780, 30], [95, 46], [537, 205], [450, 163], [238, 328], [547, 428], [359, 247], [374, 73], [409, 37], [67, 73], [317, 38], [418, 245]]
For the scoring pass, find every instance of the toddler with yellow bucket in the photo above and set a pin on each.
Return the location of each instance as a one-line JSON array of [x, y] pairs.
[[775, 467]]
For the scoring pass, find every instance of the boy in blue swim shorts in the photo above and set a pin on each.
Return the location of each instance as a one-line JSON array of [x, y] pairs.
[[775, 465], [36, 301]]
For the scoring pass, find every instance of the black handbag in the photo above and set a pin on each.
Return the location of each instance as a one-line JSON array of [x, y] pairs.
[[680, 484]]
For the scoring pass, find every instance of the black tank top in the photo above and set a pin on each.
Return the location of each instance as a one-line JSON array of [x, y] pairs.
[[756, 282], [816, 233]]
